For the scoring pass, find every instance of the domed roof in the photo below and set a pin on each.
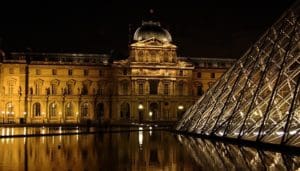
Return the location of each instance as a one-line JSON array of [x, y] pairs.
[[152, 29]]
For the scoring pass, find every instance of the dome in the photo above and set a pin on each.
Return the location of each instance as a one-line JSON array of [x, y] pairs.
[[152, 29]]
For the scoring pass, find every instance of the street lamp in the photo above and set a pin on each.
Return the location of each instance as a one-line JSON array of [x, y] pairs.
[[140, 107], [180, 108]]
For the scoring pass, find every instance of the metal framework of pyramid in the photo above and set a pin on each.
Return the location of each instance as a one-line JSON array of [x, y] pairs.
[[257, 99]]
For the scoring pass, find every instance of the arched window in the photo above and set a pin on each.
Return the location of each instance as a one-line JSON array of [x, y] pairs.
[[125, 110], [84, 109], [36, 109], [69, 109], [53, 109]]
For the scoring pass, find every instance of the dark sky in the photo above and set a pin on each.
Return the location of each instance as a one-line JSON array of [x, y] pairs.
[[200, 29]]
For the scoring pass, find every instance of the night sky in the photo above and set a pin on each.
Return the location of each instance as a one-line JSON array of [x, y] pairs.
[[221, 29]]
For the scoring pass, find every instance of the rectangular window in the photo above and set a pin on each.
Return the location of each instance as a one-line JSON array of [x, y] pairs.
[[100, 73], [101, 91], [70, 89], [199, 75], [11, 71], [53, 88], [37, 89], [180, 73], [70, 72], [85, 72], [212, 75], [166, 89], [38, 72], [125, 72], [141, 89], [125, 88], [10, 89], [54, 71]]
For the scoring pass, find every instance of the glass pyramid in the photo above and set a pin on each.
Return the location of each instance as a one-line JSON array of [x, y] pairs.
[[257, 99]]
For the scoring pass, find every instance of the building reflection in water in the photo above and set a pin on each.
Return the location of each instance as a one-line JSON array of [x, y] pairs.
[[135, 150], [219, 156]]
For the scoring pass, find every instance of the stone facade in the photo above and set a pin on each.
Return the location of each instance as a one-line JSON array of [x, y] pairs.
[[153, 84]]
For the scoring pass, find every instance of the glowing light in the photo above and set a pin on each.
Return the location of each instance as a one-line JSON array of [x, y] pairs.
[[180, 107], [140, 107], [150, 113], [140, 136]]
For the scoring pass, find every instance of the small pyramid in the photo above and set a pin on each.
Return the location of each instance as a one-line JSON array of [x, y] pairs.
[[258, 98]]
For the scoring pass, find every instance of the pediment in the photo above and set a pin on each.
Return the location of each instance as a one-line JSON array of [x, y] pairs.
[[152, 42]]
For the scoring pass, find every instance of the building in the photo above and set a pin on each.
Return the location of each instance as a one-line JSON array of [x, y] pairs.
[[153, 84]]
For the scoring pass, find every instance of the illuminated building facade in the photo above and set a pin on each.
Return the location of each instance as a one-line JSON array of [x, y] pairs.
[[153, 84]]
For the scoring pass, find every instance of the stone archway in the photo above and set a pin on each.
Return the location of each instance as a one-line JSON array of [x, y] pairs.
[[153, 111], [125, 111]]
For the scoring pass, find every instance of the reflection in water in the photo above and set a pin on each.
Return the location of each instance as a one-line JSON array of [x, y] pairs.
[[219, 156], [108, 151]]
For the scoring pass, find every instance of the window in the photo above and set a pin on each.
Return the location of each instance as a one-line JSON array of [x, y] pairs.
[[210, 84], [141, 89], [37, 89], [38, 72], [212, 75], [153, 86], [69, 89], [84, 89], [125, 72], [54, 71], [37, 109], [180, 73], [11, 71], [10, 89], [69, 109], [166, 89], [199, 75], [180, 88], [125, 88], [85, 72], [10, 108], [199, 90], [53, 89], [166, 57], [84, 109], [52, 109], [100, 73], [222, 65], [70, 72], [101, 90]]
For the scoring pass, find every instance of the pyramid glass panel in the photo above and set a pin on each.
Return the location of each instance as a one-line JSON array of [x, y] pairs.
[[257, 99]]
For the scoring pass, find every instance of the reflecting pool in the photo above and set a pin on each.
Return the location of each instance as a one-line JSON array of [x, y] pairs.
[[137, 149], [131, 150]]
